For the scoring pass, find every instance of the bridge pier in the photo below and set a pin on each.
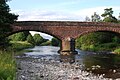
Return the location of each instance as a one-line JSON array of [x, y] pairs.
[[67, 52]]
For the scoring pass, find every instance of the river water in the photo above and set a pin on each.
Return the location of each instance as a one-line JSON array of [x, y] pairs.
[[105, 64]]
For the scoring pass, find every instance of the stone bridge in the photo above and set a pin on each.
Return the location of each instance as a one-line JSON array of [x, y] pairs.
[[66, 31]]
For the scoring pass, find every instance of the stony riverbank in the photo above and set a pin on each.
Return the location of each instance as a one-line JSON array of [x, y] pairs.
[[49, 69]]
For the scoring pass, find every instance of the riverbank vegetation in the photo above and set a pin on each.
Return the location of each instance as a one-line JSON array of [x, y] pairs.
[[35, 40], [98, 41], [7, 66], [101, 40], [20, 45]]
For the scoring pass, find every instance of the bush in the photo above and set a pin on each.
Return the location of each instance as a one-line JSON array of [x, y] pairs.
[[116, 39]]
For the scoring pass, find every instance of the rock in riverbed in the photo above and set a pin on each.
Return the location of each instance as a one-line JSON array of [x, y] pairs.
[[49, 69]]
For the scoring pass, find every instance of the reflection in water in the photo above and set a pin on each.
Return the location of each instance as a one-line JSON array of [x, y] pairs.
[[67, 58], [107, 64]]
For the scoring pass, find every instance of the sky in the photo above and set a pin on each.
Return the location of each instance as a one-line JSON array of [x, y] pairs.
[[61, 10]]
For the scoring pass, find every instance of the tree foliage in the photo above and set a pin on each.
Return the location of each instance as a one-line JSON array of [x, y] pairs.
[[108, 12], [26, 36], [30, 39], [6, 19], [26, 33], [108, 15], [21, 36], [95, 17], [116, 39], [38, 39], [100, 40], [55, 42]]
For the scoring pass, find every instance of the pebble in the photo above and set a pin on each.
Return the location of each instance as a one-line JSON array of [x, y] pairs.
[[43, 69]]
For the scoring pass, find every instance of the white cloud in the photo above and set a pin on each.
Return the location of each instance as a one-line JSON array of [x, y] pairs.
[[45, 15], [90, 11], [57, 15]]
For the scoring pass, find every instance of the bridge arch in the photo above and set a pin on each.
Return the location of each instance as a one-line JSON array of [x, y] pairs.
[[39, 26], [87, 32], [105, 28], [33, 30]]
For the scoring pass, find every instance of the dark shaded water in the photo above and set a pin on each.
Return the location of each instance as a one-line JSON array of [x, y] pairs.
[[106, 64]]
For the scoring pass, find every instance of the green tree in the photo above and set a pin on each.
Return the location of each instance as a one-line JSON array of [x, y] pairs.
[[30, 39], [55, 42], [18, 37], [21, 36], [91, 40], [38, 39], [45, 40], [6, 19], [95, 17], [26, 33], [116, 39], [95, 39], [108, 15]]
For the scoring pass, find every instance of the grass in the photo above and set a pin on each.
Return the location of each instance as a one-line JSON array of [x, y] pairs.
[[20, 45], [7, 60], [7, 66]]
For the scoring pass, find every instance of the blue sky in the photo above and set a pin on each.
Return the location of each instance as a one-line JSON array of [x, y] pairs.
[[74, 10], [61, 10]]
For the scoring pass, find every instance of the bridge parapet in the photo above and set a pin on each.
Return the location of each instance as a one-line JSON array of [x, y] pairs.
[[65, 24]]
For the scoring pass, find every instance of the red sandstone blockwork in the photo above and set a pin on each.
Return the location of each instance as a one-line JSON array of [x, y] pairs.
[[64, 29]]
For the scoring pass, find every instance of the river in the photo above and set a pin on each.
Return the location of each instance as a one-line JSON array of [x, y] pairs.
[[94, 64]]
